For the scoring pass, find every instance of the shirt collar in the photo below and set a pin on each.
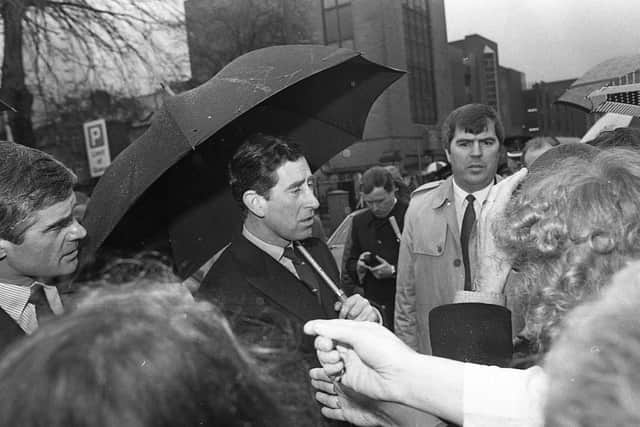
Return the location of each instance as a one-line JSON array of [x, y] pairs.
[[480, 195], [14, 298], [272, 250]]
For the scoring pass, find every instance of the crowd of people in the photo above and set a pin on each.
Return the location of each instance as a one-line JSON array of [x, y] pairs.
[[476, 291]]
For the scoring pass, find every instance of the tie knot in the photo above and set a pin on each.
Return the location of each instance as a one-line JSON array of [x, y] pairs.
[[37, 294], [470, 198], [290, 252]]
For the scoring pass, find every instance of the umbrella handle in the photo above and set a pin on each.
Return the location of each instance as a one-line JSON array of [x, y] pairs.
[[312, 262], [396, 229]]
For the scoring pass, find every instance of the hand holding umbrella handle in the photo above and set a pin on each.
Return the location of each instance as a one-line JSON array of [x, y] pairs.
[[312, 262]]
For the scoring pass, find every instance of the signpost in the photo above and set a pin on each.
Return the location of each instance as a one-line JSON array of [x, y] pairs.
[[97, 142]]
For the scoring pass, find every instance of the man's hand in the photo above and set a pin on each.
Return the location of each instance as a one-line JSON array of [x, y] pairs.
[[343, 404], [361, 265], [356, 307], [493, 264], [384, 270], [369, 358]]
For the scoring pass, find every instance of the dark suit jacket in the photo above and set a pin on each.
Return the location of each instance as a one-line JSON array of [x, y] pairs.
[[9, 331], [268, 305], [247, 283], [375, 235]]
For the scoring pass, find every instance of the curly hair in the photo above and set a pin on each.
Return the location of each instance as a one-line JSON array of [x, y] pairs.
[[601, 385], [569, 231]]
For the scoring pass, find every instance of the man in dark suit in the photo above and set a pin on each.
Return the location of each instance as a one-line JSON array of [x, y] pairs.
[[263, 274], [262, 281], [372, 251], [39, 237]]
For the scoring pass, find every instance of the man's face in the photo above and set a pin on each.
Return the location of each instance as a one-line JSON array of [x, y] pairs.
[[474, 157], [380, 201], [50, 245], [290, 206]]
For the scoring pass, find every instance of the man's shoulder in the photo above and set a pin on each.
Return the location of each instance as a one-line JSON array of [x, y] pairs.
[[426, 188], [360, 216], [430, 193]]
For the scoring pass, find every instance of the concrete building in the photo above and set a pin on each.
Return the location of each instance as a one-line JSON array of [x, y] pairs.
[[512, 109], [545, 116], [410, 35], [478, 77]]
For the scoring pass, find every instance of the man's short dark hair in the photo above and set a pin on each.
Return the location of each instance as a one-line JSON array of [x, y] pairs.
[[30, 180], [377, 176], [254, 165], [473, 118]]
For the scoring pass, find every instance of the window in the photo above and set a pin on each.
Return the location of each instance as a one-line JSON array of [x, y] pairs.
[[338, 23]]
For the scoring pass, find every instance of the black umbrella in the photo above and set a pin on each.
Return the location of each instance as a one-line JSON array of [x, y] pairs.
[[173, 187]]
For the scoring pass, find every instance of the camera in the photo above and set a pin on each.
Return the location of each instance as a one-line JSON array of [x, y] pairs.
[[371, 260]]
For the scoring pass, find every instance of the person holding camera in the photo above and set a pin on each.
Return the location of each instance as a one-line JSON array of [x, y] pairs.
[[372, 252]]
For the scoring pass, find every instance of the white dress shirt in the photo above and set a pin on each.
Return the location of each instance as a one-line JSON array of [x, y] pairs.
[[14, 300], [461, 203]]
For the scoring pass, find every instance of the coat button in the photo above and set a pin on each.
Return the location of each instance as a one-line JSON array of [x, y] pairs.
[[457, 262], [439, 249]]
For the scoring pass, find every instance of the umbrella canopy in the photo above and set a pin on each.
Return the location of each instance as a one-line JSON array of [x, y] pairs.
[[170, 185]]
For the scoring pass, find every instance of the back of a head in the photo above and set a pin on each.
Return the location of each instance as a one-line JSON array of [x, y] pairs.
[[593, 367], [472, 118], [377, 176], [138, 356], [625, 137], [254, 164], [27, 171], [569, 229], [555, 157]]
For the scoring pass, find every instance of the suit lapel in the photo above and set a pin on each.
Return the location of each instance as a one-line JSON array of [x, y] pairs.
[[275, 282]]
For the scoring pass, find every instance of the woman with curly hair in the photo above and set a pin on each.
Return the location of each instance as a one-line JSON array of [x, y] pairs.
[[567, 230]]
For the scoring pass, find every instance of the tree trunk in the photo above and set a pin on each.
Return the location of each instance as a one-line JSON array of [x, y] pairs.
[[13, 88]]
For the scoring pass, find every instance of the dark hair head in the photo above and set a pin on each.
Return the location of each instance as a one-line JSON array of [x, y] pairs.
[[254, 165], [620, 137], [377, 176], [30, 180], [473, 118], [139, 355]]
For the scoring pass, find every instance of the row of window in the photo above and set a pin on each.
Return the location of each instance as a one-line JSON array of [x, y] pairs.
[[630, 78]]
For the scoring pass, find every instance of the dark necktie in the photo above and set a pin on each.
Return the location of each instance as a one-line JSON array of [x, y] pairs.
[[39, 300], [465, 233], [304, 270]]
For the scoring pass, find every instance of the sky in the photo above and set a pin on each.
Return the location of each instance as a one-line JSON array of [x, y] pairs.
[[549, 39]]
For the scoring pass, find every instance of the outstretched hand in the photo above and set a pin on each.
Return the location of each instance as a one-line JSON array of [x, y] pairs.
[[363, 356], [493, 263]]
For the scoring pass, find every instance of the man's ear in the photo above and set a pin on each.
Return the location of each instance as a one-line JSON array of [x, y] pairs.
[[446, 153], [254, 202]]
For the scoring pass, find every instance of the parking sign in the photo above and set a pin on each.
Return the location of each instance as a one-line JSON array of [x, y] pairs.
[[97, 142]]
